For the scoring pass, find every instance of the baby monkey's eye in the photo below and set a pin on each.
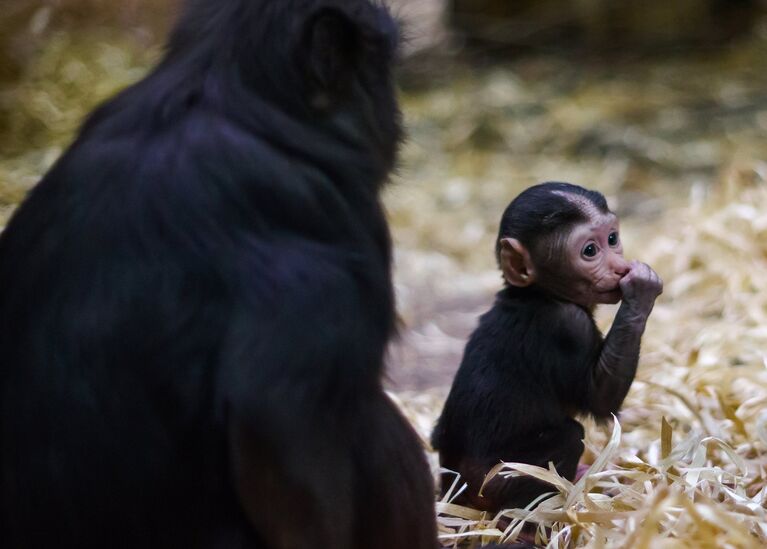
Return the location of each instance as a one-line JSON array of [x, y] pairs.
[[590, 250], [612, 240]]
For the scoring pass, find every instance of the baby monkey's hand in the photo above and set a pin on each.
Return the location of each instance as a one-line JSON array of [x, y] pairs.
[[640, 287]]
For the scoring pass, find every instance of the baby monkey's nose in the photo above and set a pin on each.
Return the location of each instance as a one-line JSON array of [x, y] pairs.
[[620, 266]]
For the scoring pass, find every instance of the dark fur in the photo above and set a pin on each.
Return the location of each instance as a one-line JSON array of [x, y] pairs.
[[526, 371], [196, 300]]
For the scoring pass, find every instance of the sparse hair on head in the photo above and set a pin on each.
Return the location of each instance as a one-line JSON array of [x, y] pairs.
[[546, 210]]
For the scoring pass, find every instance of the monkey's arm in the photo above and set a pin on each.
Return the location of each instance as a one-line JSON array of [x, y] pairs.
[[617, 363], [296, 351], [616, 366]]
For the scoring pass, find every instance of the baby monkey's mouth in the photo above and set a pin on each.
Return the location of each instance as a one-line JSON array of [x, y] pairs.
[[611, 296], [613, 289]]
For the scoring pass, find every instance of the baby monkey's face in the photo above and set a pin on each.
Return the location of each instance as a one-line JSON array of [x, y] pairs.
[[595, 254], [579, 261], [583, 265]]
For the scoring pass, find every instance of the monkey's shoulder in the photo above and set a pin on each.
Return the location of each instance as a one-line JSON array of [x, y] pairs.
[[525, 310], [524, 329]]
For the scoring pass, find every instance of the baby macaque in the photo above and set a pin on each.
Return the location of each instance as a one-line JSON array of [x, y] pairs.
[[537, 358]]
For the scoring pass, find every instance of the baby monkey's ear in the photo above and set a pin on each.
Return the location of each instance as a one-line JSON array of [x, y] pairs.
[[516, 263]]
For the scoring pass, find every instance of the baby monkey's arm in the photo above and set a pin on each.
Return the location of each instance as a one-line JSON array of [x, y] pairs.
[[617, 364]]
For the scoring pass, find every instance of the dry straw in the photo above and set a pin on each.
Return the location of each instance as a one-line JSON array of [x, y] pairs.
[[684, 464]]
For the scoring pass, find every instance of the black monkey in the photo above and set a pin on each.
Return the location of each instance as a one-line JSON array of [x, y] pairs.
[[537, 358], [196, 299]]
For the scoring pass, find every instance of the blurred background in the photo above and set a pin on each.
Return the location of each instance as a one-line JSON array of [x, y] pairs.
[[650, 102], [659, 104]]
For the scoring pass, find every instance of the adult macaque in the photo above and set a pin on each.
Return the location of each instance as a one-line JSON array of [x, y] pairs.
[[537, 358], [196, 300]]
